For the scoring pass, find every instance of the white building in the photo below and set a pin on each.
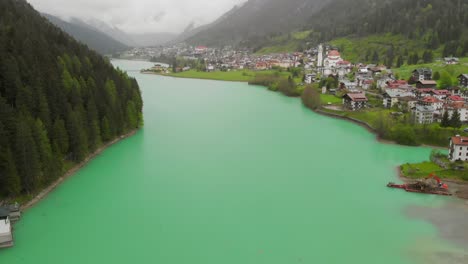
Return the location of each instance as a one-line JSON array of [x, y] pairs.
[[333, 58], [310, 78], [6, 238], [423, 114], [392, 97], [458, 148]]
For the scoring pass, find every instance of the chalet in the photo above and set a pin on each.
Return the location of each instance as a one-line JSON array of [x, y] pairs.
[[6, 237], [393, 97], [261, 66], [454, 90], [423, 114], [422, 74], [441, 94], [397, 84], [458, 149], [454, 99], [367, 84], [210, 68], [424, 92], [431, 101], [451, 60], [355, 101], [201, 49], [463, 80], [349, 85], [426, 84]]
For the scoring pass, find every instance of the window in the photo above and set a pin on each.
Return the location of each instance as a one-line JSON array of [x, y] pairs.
[[459, 154]]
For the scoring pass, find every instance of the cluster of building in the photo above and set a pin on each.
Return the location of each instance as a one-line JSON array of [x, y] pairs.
[[426, 103]]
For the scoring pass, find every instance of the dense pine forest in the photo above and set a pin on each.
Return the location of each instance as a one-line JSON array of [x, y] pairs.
[[59, 101], [440, 25]]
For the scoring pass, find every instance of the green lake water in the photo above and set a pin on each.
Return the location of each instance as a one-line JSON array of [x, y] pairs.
[[227, 173]]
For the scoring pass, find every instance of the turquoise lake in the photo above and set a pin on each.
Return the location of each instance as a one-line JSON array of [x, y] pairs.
[[227, 173]]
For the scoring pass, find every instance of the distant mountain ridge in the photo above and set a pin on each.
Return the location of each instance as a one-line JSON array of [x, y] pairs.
[[107, 39], [132, 40], [94, 39]]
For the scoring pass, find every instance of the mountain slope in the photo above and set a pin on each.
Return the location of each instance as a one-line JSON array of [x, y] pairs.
[[256, 19], [59, 101], [437, 24], [95, 39]]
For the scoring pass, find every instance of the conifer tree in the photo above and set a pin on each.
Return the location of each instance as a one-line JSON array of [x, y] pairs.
[[445, 119], [455, 121]]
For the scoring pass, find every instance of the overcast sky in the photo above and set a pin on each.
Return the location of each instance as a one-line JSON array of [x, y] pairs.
[[140, 16]]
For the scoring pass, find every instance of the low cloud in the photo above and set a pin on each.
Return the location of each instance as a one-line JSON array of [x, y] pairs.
[[140, 16]]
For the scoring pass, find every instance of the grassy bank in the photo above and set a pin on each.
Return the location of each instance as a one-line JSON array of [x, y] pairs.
[[357, 49], [423, 169], [405, 71], [232, 76]]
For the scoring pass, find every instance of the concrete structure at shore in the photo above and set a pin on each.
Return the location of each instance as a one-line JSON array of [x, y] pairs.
[[6, 236]]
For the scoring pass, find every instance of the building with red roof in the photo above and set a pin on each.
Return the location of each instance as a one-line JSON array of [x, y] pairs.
[[355, 101], [458, 149]]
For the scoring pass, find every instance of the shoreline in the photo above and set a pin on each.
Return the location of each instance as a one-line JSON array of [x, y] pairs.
[[72, 171], [370, 129], [459, 188], [194, 78]]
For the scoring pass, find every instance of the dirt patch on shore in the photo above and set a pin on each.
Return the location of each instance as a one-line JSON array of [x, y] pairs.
[[72, 171]]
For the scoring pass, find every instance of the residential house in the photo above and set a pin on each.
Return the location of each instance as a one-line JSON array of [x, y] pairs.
[[392, 97], [463, 80], [310, 78], [422, 74], [6, 237], [349, 85], [210, 68], [454, 99], [458, 149], [261, 66], [426, 84], [355, 101], [451, 60], [423, 114], [366, 84], [424, 92], [454, 90], [431, 101], [397, 84], [441, 94]]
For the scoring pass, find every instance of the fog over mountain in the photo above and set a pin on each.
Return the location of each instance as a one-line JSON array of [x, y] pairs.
[[140, 16]]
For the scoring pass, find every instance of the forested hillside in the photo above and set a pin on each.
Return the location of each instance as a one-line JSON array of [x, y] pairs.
[[256, 20], [59, 101], [432, 25], [400, 30]]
